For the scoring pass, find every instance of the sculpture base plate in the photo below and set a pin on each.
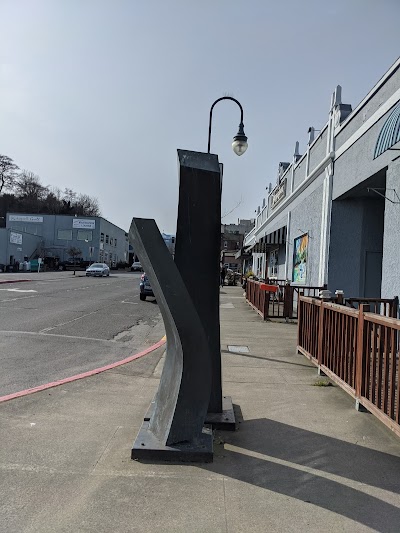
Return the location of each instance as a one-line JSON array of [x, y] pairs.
[[148, 448], [226, 419]]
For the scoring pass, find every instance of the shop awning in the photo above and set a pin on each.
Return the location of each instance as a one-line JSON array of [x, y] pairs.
[[270, 240]]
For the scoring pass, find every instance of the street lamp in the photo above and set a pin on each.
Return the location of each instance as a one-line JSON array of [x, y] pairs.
[[239, 143], [90, 251]]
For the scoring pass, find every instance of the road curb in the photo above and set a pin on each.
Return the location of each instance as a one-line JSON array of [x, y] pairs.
[[14, 281], [87, 374]]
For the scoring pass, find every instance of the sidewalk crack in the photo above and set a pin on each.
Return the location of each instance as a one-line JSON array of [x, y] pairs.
[[105, 449], [226, 516]]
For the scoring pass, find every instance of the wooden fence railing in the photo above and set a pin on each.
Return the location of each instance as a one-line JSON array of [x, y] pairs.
[[380, 306], [257, 298], [282, 304], [358, 350]]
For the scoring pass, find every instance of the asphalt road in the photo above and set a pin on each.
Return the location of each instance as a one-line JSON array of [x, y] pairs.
[[59, 325]]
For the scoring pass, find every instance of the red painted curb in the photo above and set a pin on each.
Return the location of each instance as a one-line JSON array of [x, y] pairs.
[[14, 280], [46, 386]]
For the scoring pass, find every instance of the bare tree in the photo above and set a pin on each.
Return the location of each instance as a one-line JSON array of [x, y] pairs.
[[8, 173], [233, 208], [28, 185], [69, 195], [53, 200], [74, 253], [87, 206]]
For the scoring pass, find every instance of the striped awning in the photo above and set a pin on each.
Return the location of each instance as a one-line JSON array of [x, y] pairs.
[[276, 237], [271, 239], [390, 133]]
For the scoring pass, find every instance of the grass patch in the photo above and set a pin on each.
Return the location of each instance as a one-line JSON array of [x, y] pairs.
[[322, 383]]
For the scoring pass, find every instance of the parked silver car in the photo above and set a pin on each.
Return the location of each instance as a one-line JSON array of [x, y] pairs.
[[98, 269]]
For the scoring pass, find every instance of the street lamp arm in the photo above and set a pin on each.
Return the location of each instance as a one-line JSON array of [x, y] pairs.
[[211, 112]]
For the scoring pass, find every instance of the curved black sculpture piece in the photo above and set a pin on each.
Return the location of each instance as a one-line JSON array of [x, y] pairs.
[[174, 429]]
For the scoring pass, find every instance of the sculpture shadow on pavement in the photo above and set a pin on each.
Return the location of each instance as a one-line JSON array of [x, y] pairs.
[[339, 476]]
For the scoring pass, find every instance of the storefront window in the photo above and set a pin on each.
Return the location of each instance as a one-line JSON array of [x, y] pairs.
[[273, 263], [84, 235], [64, 234]]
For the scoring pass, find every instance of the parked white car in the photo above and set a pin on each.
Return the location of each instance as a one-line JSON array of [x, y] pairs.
[[98, 269]]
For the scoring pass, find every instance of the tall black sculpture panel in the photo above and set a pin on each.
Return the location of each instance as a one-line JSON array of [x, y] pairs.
[[197, 256], [174, 428]]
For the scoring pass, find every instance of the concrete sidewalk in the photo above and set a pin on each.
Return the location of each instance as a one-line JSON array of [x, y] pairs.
[[303, 459]]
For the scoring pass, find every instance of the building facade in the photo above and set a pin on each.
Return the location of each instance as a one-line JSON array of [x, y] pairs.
[[51, 236], [232, 236], [333, 216]]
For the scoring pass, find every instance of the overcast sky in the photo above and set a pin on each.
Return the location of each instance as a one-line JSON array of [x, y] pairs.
[[97, 95]]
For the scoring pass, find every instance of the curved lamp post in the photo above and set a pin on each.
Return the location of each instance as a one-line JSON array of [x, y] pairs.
[[239, 143]]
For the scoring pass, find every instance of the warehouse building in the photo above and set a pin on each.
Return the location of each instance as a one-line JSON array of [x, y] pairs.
[[50, 237]]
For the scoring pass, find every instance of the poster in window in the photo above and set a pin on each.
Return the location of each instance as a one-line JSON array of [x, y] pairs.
[[15, 238], [300, 256]]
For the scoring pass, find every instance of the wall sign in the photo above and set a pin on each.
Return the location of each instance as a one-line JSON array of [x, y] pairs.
[[300, 257], [278, 194], [15, 238], [25, 218], [83, 223]]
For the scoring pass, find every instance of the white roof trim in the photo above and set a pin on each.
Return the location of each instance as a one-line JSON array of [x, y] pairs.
[[371, 93], [390, 102]]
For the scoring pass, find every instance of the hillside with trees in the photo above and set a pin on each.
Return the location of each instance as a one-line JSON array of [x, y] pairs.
[[22, 191]]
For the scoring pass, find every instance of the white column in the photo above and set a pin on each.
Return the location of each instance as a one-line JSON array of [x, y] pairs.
[[295, 158], [327, 196], [289, 216]]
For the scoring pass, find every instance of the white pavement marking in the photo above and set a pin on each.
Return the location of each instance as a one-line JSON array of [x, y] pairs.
[[68, 322], [19, 298], [228, 305], [18, 290], [133, 303]]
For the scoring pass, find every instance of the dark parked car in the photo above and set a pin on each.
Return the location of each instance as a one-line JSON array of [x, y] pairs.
[[136, 266], [145, 287]]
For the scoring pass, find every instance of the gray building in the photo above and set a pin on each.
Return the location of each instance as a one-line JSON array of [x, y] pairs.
[[51, 236], [334, 214]]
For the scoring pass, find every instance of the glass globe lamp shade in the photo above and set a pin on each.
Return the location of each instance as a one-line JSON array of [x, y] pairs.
[[239, 145]]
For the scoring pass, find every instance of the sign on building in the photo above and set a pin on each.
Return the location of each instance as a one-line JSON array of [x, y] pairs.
[[278, 194], [25, 218], [15, 238], [83, 223]]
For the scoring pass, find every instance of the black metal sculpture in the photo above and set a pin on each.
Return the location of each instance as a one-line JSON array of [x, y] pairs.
[[173, 429], [197, 256]]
